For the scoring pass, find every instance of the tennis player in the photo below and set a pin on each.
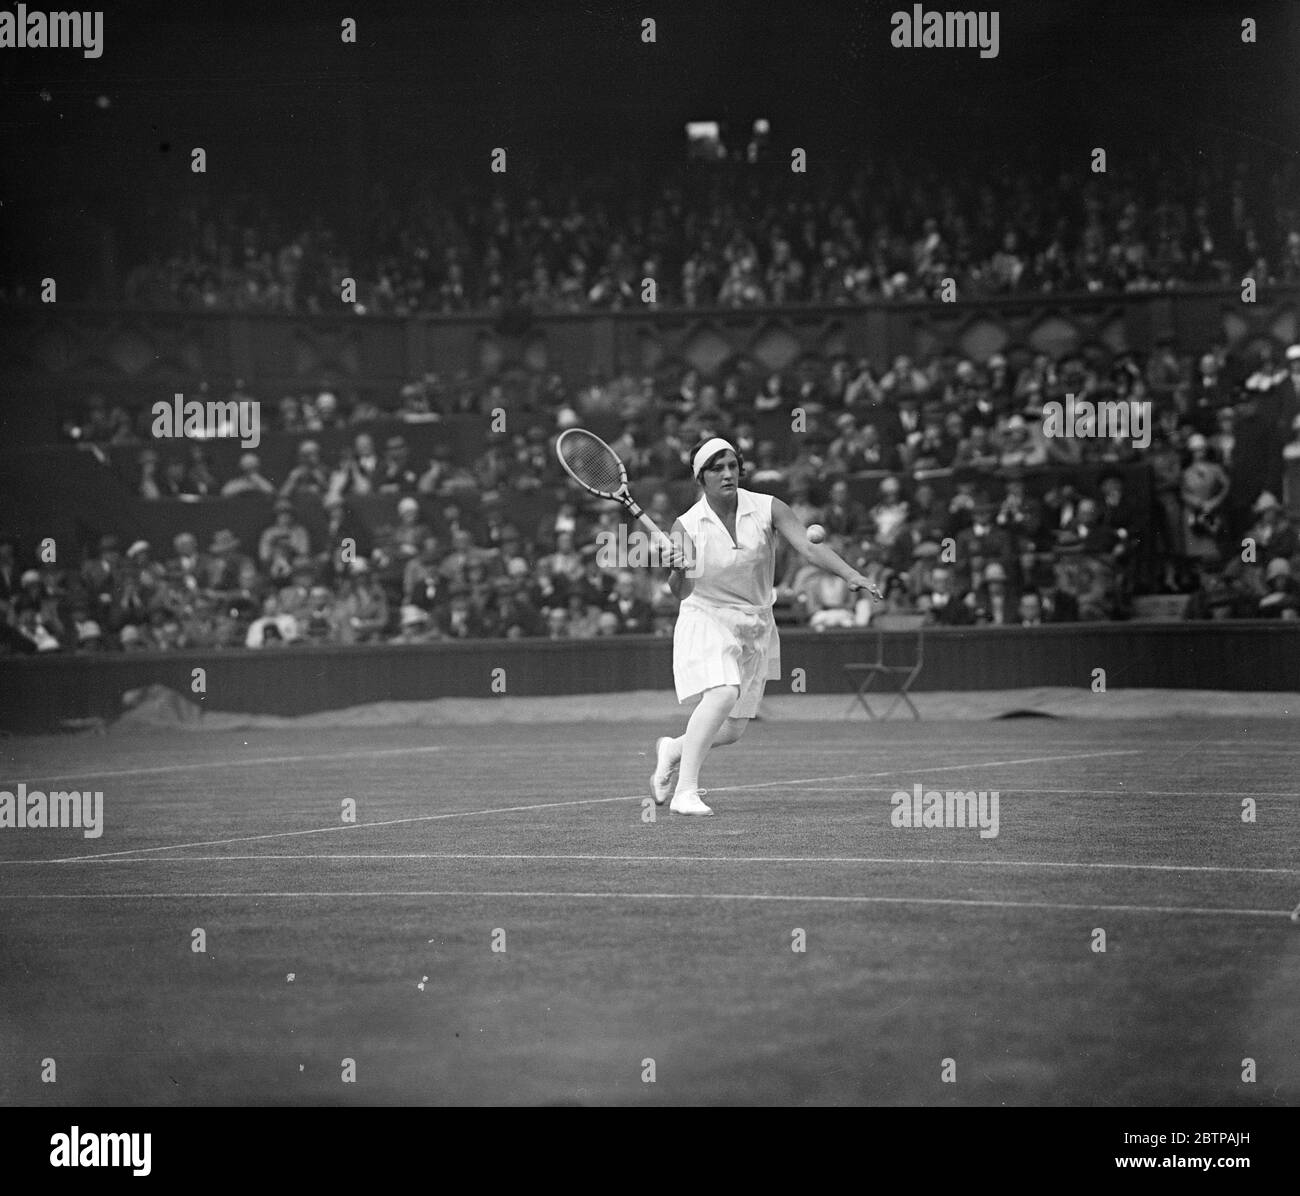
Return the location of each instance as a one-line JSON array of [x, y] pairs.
[[725, 644]]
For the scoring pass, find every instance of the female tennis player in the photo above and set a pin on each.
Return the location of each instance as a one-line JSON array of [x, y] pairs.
[[725, 644]]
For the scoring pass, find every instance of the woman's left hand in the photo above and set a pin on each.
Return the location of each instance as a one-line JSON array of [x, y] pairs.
[[858, 582]]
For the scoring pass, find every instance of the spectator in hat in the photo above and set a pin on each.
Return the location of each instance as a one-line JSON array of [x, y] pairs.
[[308, 476], [1224, 440], [90, 637], [358, 467], [286, 537], [920, 569], [1019, 515], [31, 626], [889, 514], [134, 638], [635, 616], [606, 624], [993, 602], [249, 479], [843, 514], [976, 450], [184, 566], [320, 617], [509, 614], [1205, 488], [1089, 535], [984, 541], [873, 453], [414, 627], [941, 602], [1029, 610], [295, 595], [421, 580], [1268, 372], [363, 606], [1017, 445], [556, 621], [395, 474], [100, 575], [344, 540], [245, 602], [1272, 533], [457, 618], [403, 540], [1282, 601], [224, 563], [273, 628], [843, 453]]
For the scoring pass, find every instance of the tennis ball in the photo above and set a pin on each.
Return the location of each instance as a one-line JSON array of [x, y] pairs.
[[816, 533]]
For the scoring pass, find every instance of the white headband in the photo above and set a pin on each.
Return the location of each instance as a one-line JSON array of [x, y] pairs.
[[707, 450]]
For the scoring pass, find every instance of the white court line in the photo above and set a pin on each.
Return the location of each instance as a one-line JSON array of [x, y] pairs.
[[892, 772], [236, 763], [1036, 792], [589, 801], [348, 826], [615, 896], [697, 859]]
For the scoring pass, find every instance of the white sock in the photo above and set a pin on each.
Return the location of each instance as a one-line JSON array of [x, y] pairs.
[[706, 720], [725, 735]]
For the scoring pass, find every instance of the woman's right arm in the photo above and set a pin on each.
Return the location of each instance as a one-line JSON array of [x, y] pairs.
[[680, 583]]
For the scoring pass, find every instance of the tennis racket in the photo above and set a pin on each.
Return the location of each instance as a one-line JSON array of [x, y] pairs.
[[595, 466]]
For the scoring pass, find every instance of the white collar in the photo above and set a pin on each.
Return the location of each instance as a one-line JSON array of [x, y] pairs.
[[746, 504]]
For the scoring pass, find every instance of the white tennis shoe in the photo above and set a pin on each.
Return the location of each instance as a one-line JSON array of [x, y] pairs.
[[689, 803], [664, 778]]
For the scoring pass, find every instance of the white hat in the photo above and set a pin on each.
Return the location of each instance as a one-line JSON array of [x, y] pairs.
[[1293, 353], [413, 615], [138, 546], [1266, 502], [407, 504]]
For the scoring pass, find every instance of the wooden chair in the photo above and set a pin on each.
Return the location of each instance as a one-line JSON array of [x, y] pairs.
[[864, 674]]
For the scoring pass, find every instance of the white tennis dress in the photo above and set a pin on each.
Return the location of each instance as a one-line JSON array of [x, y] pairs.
[[725, 633]]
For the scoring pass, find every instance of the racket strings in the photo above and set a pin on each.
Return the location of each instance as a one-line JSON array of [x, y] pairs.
[[592, 461]]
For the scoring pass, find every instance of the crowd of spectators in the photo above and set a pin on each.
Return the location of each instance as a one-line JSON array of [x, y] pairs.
[[974, 515], [733, 236]]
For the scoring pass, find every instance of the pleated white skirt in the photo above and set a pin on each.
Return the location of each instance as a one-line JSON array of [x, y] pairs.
[[725, 645]]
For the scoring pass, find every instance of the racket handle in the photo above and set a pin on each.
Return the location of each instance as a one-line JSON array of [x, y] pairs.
[[654, 529], [656, 532]]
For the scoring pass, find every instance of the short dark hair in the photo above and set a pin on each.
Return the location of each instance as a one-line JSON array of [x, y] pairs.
[[699, 444]]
